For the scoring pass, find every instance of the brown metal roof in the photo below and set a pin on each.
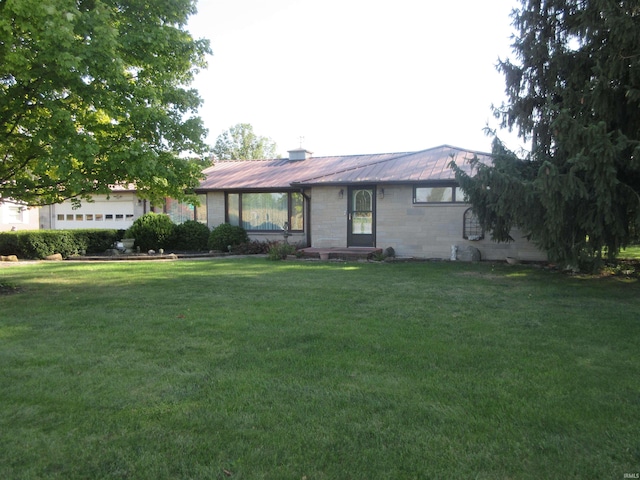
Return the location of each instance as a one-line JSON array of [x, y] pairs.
[[405, 167]]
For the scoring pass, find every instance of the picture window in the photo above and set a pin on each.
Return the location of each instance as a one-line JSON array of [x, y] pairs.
[[266, 212]]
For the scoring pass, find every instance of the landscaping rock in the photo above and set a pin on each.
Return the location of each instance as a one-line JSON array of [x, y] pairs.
[[8, 258], [56, 257], [468, 253]]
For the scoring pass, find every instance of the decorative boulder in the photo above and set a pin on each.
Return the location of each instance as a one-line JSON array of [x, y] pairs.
[[56, 257], [9, 258], [467, 253]]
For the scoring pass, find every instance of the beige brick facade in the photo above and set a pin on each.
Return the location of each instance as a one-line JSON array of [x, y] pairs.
[[328, 217], [422, 231], [412, 230]]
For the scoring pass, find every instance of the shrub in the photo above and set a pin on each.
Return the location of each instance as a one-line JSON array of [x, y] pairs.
[[9, 244], [190, 235], [40, 243], [280, 250], [225, 235], [254, 247], [152, 231], [94, 240]]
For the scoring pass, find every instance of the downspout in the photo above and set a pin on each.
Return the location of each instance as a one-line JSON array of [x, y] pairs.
[[307, 216]]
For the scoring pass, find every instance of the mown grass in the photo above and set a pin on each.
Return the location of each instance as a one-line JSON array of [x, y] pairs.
[[250, 369], [631, 253]]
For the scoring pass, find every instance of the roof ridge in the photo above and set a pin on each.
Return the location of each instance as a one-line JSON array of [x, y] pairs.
[[356, 167], [362, 155], [446, 145], [240, 160]]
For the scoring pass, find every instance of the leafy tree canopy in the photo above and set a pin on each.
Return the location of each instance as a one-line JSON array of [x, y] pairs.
[[241, 143], [573, 90], [94, 93]]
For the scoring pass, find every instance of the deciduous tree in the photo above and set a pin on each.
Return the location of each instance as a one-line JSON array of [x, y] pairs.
[[241, 143], [573, 90], [95, 93]]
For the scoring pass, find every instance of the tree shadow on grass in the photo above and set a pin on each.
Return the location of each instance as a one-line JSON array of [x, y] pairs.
[[8, 289]]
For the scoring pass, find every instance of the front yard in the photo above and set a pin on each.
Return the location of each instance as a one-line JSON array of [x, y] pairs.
[[250, 369]]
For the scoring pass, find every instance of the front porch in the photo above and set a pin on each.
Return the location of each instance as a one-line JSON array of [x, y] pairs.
[[343, 253]]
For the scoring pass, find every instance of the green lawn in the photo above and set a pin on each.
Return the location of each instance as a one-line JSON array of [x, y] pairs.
[[631, 253], [250, 369]]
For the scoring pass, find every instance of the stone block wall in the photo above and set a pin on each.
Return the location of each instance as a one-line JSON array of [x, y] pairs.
[[429, 231], [215, 209], [422, 231], [328, 217]]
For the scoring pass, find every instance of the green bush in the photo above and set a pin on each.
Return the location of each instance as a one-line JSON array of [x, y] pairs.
[[280, 251], [34, 244], [95, 241], [224, 236], [9, 244], [152, 231], [190, 235], [41, 243], [254, 247]]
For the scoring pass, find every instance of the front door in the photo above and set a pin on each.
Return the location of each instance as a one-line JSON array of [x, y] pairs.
[[361, 220]]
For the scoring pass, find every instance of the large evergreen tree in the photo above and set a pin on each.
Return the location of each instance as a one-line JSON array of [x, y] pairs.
[[573, 90], [94, 93]]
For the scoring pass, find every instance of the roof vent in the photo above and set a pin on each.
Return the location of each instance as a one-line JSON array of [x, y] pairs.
[[299, 154]]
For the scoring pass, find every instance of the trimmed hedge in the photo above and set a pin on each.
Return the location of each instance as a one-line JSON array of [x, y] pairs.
[[9, 244], [37, 244], [151, 231], [97, 241]]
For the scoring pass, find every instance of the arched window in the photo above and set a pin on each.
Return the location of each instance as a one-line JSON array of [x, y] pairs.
[[471, 228], [363, 201]]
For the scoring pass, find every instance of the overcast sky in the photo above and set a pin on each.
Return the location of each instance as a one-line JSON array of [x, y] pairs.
[[355, 76]]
